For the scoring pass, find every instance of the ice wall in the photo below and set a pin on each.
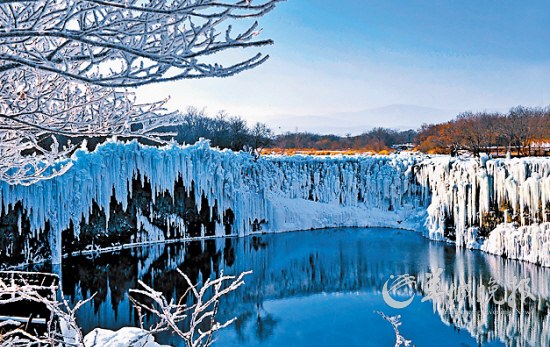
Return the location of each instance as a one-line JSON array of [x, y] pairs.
[[499, 206], [271, 193]]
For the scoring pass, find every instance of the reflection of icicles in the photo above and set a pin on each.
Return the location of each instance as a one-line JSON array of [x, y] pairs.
[[467, 300], [395, 322], [467, 305], [345, 262], [147, 232], [152, 253], [342, 268]]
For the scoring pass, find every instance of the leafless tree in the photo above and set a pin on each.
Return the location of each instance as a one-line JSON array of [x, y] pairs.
[[127, 43], [262, 136], [238, 132], [395, 322], [475, 132], [541, 129], [520, 131], [65, 66], [202, 313], [62, 328]]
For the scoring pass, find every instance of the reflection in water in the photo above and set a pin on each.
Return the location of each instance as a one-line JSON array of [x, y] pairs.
[[330, 277]]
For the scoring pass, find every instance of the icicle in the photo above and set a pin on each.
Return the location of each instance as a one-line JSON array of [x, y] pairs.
[[303, 192]]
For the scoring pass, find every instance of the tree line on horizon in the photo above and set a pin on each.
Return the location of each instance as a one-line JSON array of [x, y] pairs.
[[376, 140], [522, 131], [223, 131], [233, 132]]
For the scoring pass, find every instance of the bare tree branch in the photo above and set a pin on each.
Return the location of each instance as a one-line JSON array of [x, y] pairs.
[[34, 106], [65, 64], [171, 315], [395, 322], [61, 324], [128, 43]]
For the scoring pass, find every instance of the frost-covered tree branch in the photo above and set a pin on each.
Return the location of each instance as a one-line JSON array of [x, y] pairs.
[[62, 328], [395, 322], [61, 323], [202, 313], [128, 43], [35, 106], [65, 66]]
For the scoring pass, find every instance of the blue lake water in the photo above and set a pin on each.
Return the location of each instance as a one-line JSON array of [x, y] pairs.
[[322, 288]]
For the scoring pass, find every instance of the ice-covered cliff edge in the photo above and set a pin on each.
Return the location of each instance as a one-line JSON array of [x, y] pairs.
[[132, 193], [229, 193], [499, 206]]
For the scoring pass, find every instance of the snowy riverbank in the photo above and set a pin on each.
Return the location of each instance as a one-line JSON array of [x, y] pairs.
[[128, 193]]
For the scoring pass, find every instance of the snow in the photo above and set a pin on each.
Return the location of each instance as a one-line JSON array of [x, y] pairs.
[[125, 337], [464, 191], [530, 243], [299, 214], [428, 194]]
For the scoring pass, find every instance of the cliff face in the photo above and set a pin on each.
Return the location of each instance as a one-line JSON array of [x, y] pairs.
[[499, 206], [128, 193]]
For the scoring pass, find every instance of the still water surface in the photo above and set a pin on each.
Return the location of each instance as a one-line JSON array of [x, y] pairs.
[[322, 288]]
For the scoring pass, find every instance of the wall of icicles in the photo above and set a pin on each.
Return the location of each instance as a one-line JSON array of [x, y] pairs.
[[127, 193]]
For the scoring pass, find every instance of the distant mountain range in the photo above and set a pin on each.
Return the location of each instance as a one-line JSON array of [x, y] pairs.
[[399, 117]]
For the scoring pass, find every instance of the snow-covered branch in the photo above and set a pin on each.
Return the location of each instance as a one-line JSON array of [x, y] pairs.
[[65, 64], [61, 328], [395, 322], [202, 313], [35, 106], [122, 43]]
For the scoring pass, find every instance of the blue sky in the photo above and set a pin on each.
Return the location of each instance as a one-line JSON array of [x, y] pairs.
[[332, 57]]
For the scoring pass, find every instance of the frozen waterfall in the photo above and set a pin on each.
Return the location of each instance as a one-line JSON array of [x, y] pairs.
[[499, 206]]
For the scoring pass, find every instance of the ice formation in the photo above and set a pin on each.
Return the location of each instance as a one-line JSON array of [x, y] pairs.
[[499, 206]]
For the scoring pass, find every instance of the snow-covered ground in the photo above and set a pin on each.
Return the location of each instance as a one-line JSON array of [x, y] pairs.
[[125, 337], [499, 206]]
